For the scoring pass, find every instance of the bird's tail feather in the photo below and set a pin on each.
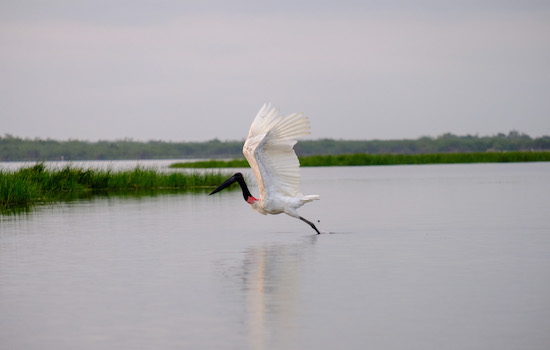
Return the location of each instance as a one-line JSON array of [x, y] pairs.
[[310, 197]]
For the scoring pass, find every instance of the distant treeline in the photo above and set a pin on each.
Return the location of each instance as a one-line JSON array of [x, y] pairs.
[[18, 149]]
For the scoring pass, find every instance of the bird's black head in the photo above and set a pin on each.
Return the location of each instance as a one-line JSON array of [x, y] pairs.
[[237, 177]]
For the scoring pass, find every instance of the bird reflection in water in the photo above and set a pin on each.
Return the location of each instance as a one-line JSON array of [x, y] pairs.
[[272, 281]]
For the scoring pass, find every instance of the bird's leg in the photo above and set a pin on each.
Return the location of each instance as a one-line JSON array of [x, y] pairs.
[[310, 224]]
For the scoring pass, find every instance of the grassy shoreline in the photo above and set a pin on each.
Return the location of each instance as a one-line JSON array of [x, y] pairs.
[[364, 159], [37, 184]]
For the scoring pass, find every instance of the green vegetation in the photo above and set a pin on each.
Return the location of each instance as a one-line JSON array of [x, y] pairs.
[[389, 159], [447, 143], [233, 163], [37, 184], [435, 158], [18, 149]]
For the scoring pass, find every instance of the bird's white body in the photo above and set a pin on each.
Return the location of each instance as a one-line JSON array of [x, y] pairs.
[[269, 149]]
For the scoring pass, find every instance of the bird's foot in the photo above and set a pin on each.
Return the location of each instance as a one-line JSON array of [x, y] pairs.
[[310, 224]]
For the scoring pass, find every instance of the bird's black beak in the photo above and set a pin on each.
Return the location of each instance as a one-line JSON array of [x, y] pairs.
[[227, 183], [237, 177]]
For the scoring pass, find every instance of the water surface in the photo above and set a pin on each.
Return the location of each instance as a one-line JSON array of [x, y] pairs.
[[420, 257]]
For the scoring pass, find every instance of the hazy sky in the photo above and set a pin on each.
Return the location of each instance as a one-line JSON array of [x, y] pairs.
[[198, 70]]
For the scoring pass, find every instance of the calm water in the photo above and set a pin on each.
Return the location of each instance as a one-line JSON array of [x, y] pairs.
[[421, 257]]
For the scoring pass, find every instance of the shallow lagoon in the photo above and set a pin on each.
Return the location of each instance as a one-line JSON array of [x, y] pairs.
[[419, 257]]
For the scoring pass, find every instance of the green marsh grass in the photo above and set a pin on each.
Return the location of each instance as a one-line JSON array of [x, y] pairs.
[[434, 158], [233, 163], [37, 184], [389, 159]]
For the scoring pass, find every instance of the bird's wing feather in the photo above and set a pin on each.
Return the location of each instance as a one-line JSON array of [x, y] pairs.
[[269, 150]]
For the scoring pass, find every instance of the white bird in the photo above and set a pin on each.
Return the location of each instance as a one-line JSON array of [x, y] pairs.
[[269, 149]]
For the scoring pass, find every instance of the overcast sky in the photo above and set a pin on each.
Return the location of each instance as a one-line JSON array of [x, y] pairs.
[[198, 70]]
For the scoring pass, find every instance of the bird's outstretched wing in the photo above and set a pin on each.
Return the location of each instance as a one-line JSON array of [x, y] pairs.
[[269, 150]]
